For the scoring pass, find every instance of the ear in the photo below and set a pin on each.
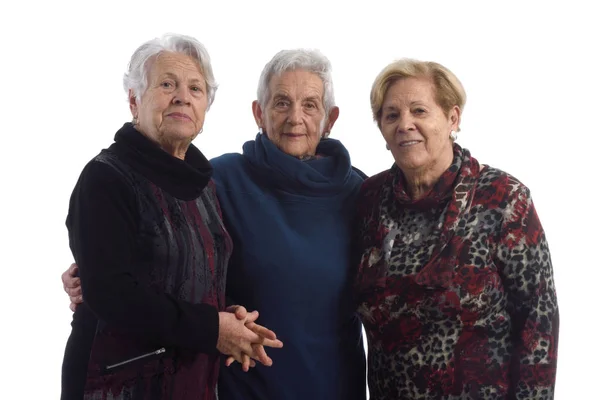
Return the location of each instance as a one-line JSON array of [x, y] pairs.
[[133, 106], [455, 118], [258, 114], [333, 116]]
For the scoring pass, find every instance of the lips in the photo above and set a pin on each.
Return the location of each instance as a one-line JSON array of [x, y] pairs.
[[408, 143], [179, 116]]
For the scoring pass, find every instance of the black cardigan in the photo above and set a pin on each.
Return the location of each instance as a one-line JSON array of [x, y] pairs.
[[146, 231]]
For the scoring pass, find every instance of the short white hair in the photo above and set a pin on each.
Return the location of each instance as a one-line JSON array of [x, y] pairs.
[[298, 59], [136, 77]]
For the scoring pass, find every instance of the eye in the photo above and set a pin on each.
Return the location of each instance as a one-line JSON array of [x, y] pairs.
[[310, 105], [419, 111], [281, 103], [390, 117], [166, 85], [196, 89]]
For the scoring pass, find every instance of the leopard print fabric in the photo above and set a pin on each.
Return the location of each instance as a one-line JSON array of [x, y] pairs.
[[456, 290]]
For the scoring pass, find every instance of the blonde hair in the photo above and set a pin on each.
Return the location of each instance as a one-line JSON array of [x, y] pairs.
[[449, 90]]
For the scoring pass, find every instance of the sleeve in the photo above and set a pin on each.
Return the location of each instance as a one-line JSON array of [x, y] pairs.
[[523, 259], [102, 228], [360, 242]]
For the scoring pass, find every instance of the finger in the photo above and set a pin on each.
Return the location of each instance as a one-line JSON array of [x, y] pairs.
[[251, 317], [261, 355], [73, 306], [73, 292], [237, 356], [246, 362], [230, 360], [73, 283], [261, 330], [275, 344], [239, 311], [76, 299], [73, 269], [231, 309], [252, 363]]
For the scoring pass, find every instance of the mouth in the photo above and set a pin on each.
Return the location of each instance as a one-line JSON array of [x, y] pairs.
[[179, 116], [294, 135], [408, 143]]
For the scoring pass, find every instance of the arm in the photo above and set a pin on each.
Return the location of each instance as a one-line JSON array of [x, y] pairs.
[[102, 231], [523, 259]]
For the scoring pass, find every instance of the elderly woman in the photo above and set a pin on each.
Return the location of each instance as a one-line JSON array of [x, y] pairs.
[[454, 284], [288, 202], [145, 229]]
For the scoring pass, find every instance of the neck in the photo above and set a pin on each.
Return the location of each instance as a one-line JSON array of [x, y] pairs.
[[177, 150], [308, 157], [175, 147], [420, 181]]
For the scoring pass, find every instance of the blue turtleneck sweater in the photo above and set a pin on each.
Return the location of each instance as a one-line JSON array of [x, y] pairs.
[[290, 221]]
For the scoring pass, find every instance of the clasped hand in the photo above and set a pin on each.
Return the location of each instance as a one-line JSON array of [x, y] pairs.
[[243, 340]]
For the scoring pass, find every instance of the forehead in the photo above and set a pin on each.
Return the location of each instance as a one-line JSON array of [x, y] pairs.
[[177, 64], [297, 83], [408, 90]]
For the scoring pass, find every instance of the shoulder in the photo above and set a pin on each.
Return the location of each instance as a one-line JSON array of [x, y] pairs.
[[229, 167], [357, 172], [374, 183], [227, 160], [500, 185], [105, 173], [500, 192], [370, 192]]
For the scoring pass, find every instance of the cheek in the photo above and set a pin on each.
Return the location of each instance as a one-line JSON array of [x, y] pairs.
[[387, 132], [274, 124]]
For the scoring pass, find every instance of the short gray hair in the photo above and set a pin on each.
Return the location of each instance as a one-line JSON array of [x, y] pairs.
[[289, 60], [136, 77]]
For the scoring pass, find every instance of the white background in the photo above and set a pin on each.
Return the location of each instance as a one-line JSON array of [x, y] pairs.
[[530, 70]]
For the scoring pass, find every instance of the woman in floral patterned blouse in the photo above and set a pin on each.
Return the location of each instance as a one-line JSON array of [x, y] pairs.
[[454, 283]]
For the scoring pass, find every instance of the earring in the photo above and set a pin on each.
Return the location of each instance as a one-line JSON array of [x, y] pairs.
[[453, 136], [134, 121], [387, 146], [260, 131]]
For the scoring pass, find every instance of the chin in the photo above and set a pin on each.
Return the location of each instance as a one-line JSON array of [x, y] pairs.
[[295, 151], [181, 134]]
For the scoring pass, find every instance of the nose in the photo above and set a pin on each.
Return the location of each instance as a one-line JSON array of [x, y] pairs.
[[406, 123], [182, 96], [295, 115]]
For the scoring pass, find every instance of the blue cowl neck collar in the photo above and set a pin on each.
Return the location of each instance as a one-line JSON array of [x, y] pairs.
[[326, 176]]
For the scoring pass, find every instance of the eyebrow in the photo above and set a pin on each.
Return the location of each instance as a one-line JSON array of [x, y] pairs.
[[412, 104], [173, 76], [316, 99]]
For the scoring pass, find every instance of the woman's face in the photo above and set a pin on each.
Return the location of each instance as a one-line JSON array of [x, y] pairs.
[[173, 107], [415, 127], [294, 117]]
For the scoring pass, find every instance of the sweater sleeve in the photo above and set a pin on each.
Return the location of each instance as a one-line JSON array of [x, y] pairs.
[[524, 261], [102, 224]]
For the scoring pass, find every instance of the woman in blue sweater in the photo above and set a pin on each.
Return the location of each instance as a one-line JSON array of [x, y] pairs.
[[288, 202]]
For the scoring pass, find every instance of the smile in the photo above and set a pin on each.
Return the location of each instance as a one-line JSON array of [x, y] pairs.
[[408, 143]]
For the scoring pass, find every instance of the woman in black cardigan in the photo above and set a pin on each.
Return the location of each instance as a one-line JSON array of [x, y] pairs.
[[145, 229]]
